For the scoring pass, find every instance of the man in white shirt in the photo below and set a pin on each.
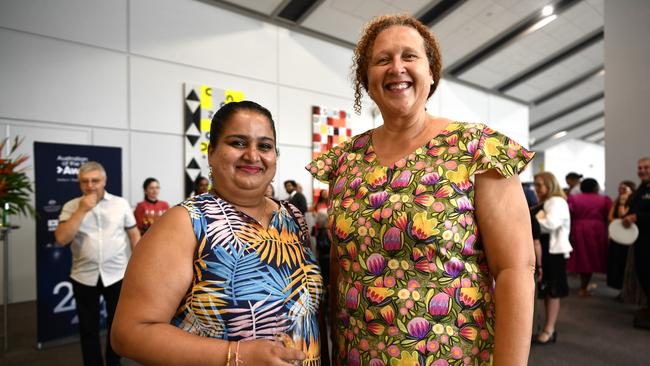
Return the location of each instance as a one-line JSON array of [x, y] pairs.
[[98, 226]]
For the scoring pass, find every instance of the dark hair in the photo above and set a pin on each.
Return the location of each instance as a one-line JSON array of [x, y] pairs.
[[223, 115], [198, 180], [147, 182], [629, 184], [363, 50], [573, 175], [292, 182], [321, 197], [589, 185]]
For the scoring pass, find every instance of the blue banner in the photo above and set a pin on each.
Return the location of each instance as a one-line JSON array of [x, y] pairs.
[[56, 169]]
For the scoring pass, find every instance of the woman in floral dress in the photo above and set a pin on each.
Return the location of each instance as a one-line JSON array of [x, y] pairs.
[[413, 276], [222, 274]]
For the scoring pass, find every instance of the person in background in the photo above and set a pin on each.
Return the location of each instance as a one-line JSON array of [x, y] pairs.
[[552, 214], [222, 274], [99, 227], [323, 245], [296, 197], [639, 214], [201, 185], [529, 192], [617, 253], [573, 180], [589, 219], [147, 211], [538, 321], [270, 191], [426, 213]]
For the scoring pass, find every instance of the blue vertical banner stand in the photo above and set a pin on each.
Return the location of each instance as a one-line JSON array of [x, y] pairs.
[[56, 169]]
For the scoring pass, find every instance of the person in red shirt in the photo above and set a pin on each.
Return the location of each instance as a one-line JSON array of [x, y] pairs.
[[147, 211]]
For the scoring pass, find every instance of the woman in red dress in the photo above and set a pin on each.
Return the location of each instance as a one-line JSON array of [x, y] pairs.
[[589, 238]]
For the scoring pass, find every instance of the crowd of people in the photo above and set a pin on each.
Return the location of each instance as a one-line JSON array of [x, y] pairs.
[[423, 246], [570, 231]]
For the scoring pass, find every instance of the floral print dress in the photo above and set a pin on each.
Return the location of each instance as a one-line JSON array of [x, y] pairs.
[[413, 285], [251, 282]]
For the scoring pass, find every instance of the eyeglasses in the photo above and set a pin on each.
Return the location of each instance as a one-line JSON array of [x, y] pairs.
[[90, 181]]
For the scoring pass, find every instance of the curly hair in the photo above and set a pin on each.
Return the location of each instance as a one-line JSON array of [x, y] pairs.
[[363, 51]]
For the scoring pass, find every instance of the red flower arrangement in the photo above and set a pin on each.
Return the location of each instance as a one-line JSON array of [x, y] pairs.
[[15, 186]]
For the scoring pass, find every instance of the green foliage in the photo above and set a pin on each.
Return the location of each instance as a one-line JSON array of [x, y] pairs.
[[15, 186]]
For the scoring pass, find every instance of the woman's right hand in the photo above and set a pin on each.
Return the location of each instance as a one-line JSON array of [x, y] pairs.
[[265, 352]]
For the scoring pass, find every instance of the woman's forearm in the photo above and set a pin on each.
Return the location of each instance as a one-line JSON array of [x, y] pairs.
[[514, 298], [160, 343]]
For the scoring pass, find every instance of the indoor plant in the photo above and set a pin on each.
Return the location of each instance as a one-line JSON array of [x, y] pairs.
[[15, 187]]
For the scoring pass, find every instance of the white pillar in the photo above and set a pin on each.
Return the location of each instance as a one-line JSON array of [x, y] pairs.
[[627, 89]]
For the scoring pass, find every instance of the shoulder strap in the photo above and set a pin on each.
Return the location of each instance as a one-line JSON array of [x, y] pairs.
[[298, 218]]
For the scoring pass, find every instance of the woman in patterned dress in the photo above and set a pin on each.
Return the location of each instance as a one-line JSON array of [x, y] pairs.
[[225, 272], [413, 276]]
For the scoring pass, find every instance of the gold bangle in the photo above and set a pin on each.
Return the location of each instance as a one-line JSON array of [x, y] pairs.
[[228, 357]]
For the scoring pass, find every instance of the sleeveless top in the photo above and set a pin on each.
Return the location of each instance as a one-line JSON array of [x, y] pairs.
[[251, 282], [413, 285]]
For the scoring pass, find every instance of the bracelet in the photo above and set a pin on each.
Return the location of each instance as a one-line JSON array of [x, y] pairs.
[[237, 360], [228, 357]]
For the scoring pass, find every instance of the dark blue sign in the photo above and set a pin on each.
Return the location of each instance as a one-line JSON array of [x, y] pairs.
[[56, 169]]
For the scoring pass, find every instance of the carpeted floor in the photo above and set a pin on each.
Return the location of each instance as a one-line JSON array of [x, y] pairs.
[[595, 331]]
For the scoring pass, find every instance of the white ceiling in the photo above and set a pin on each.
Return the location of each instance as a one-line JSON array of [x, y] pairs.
[[471, 26]]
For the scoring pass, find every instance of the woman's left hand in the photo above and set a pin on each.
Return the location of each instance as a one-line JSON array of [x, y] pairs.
[[266, 353]]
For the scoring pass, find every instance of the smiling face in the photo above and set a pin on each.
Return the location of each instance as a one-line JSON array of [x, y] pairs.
[[152, 191], [243, 159], [399, 77]]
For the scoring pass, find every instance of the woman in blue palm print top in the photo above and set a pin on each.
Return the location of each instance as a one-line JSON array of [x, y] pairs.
[[225, 272]]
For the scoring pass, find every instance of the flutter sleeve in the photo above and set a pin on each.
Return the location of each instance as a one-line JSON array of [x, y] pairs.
[[498, 151], [325, 167]]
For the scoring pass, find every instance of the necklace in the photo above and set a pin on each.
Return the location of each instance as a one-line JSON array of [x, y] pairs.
[[253, 213]]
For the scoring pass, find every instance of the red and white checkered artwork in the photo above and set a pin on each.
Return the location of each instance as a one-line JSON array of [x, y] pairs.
[[329, 128]]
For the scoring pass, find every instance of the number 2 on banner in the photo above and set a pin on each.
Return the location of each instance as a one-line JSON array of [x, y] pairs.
[[67, 303]]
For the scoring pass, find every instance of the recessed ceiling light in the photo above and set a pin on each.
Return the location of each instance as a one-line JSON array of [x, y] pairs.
[[541, 23], [559, 134], [547, 10]]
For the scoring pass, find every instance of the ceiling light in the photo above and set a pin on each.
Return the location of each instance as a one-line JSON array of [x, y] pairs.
[[541, 23], [547, 10], [559, 134]]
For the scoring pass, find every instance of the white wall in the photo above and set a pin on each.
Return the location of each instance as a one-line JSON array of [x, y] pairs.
[[459, 102], [112, 73], [577, 156], [627, 56]]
